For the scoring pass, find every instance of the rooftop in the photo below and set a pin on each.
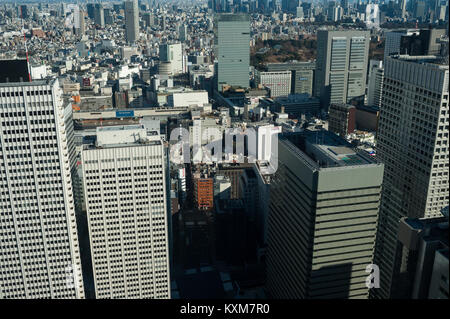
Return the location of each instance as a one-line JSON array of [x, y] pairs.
[[122, 136], [327, 149]]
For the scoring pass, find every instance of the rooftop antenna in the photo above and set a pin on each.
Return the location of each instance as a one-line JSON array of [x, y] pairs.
[[25, 41]]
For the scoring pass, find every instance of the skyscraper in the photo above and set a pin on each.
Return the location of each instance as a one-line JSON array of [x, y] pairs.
[[233, 49], [375, 85], [341, 65], [99, 15], [79, 23], [182, 32], [39, 250], [172, 53], [90, 10], [125, 192], [108, 16], [413, 144], [323, 215], [403, 7], [289, 5], [131, 21]]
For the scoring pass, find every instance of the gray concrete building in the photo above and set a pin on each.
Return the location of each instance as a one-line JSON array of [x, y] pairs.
[[131, 21], [99, 15], [412, 142], [341, 65], [323, 218], [302, 75], [422, 260]]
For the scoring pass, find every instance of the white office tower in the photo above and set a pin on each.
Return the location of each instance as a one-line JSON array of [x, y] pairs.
[[413, 145], [125, 192], [278, 82], [375, 87], [39, 250], [172, 53], [131, 21]]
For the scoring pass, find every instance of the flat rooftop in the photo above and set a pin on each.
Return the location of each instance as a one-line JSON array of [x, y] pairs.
[[121, 136], [20, 84], [437, 61], [119, 128], [327, 149]]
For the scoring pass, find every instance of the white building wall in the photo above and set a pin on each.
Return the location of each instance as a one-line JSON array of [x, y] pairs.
[[39, 251], [279, 83], [375, 87], [127, 216]]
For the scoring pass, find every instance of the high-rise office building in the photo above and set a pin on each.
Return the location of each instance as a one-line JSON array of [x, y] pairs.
[[172, 53], [125, 193], [79, 23], [414, 42], [99, 15], [90, 10], [232, 39], [302, 75], [182, 32], [403, 7], [375, 83], [412, 142], [278, 82], [341, 65], [422, 266], [323, 218], [149, 19], [392, 43], [23, 11], [39, 250], [131, 21], [289, 5], [108, 16]]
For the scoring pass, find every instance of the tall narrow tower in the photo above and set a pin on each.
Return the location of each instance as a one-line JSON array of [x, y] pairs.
[[412, 142], [131, 21], [39, 250]]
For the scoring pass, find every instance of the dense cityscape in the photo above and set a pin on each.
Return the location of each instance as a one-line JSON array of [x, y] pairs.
[[224, 149]]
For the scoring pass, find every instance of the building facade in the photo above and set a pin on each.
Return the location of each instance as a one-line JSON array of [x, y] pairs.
[[342, 119], [323, 218], [375, 85], [131, 21], [125, 192], [232, 38], [341, 65], [412, 142], [39, 250], [302, 75], [278, 82]]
